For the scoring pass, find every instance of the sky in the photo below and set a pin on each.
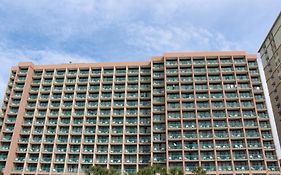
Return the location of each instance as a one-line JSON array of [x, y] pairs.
[[61, 31], [51, 32]]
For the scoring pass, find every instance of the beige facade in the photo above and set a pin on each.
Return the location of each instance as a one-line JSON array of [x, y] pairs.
[[270, 52], [178, 110]]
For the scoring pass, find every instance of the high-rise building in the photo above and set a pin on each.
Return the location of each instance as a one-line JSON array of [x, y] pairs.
[[270, 52], [178, 110]]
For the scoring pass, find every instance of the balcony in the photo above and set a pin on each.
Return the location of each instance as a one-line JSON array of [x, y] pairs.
[[190, 168], [222, 145], [159, 159], [265, 125], [224, 168], [58, 170], [115, 160], [254, 145], [237, 134], [44, 169], [75, 141], [31, 169], [268, 145], [131, 150], [185, 62], [131, 140], [33, 159], [62, 140], [257, 167], [5, 147], [191, 145], [240, 156], [272, 168], [207, 146], [73, 159], [116, 140], [59, 159], [92, 140], [238, 145], [252, 134], [46, 159], [119, 150], [241, 167], [270, 156], [207, 157], [190, 135], [96, 71], [103, 160], [175, 146], [88, 149], [206, 135], [223, 157], [175, 157], [87, 160], [255, 156], [191, 157]]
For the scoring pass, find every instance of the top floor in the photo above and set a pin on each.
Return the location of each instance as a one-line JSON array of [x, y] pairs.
[[168, 58]]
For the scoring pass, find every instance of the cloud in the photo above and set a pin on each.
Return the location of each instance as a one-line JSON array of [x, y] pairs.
[[155, 39], [10, 57], [125, 30]]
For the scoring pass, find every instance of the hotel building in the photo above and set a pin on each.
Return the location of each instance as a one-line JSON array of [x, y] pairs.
[[270, 52], [178, 110]]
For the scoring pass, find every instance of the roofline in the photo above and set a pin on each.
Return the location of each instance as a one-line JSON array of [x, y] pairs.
[[144, 63], [279, 16], [211, 53]]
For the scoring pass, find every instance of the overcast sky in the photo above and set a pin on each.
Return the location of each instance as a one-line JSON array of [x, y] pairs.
[[48, 32]]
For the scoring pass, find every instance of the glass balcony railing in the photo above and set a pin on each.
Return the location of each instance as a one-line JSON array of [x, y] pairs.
[[117, 161], [257, 167], [189, 135], [223, 156], [252, 134], [31, 169], [20, 159], [207, 157], [44, 169], [105, 160], [224, 168], [272, 168], [175, 157], [191, 157], [33, 159], [73, 159], [59, 170], [191, 146], [206, 135], [268, 145], [87, 160], [207, 146], [270, 157], [190, 168], [46, 159], [59, 159], [254, 145], [241, 167], [130, 150], [48, 149], [185, 62], [91, 140]]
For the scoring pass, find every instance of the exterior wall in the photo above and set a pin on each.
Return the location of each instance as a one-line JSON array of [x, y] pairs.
[[270, 52], [178, 110]]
